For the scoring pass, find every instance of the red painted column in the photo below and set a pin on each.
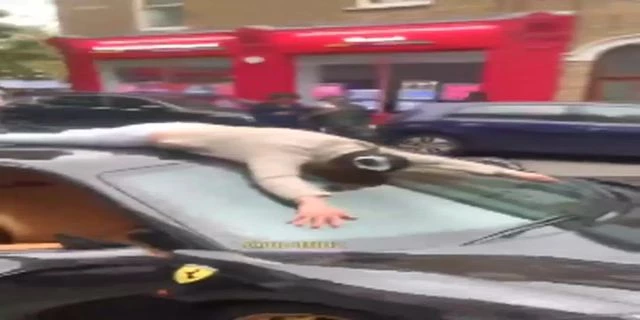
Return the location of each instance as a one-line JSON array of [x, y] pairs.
[[85, 76], [260, 69], [527, 65], [82, 71]]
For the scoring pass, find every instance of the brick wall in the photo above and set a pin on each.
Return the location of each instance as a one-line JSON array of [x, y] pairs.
[[96, 17], [201, 13]]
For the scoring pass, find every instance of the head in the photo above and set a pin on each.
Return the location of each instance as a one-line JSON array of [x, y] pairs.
[[336, 99], [332, 101], [477, 96], [364, 168], [284, 99], [371, 161], [5, 237]]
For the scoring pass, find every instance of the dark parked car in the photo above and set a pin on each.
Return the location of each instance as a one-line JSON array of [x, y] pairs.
[[90, 234], [563, 129], [86, 110]]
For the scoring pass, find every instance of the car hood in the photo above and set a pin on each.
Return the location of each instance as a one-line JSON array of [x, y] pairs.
[[562, 271]]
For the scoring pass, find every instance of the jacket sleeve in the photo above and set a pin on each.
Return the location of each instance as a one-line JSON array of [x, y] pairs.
[[279, 175], [430, 161]]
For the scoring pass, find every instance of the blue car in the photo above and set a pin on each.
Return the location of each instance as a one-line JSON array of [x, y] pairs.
[[554, 129]]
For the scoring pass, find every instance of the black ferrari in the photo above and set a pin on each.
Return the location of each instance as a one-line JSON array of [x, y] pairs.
[[147, 234]]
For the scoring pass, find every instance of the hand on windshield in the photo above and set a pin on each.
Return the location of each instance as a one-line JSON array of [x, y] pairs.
[[531, 176], [317, 213]]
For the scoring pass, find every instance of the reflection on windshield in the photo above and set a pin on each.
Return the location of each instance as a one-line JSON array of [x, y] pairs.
[[222, 198]]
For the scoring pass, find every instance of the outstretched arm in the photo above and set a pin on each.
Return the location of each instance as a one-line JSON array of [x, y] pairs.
[[431, 161], [279, 175]]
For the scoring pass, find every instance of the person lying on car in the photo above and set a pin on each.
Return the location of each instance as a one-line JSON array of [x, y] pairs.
[[274, 157]]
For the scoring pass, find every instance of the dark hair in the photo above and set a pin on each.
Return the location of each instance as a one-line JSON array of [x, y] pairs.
[[5, 237], [284, 95], [370, 161], [477, 96]]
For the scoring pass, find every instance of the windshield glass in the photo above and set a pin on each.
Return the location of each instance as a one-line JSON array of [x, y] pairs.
[[220, 199]]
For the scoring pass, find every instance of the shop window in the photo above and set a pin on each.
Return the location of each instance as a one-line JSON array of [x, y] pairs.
[[391, 3], [351, 76], [398, 82], [160, 14], [361, 76], [194, 77], [616, 76]]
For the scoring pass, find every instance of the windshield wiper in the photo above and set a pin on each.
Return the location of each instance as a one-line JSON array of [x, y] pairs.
[[517, 230], [627, 202]]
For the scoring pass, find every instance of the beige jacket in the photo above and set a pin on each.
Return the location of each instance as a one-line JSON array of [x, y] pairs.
[[275, 155]]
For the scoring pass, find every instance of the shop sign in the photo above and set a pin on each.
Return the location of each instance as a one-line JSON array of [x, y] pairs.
[[158, 47], [376, 41], [254, 60]]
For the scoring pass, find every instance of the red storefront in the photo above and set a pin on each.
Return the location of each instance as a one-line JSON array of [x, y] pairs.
[[514, 58]]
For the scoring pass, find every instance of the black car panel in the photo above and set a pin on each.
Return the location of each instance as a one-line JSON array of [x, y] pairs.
[[554, 273], [76, 111]]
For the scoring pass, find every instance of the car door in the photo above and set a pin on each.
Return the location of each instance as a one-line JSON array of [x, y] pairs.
[[611, 130], [36, 279], [73, 111], [131, 110], [23, 117], [527, 128]]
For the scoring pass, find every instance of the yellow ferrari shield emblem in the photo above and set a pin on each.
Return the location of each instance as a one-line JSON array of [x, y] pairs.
[[191, 273]]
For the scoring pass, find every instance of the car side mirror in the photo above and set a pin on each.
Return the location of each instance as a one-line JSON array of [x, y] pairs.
[[153, 239]]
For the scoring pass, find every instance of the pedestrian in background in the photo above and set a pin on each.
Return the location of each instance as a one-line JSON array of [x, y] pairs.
[[282, 110], [477, 96], [337, 115]]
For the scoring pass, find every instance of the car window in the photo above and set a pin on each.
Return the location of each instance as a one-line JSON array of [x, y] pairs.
[[75, 101], [130, 103], [194, 103], [533, 112], [614, 114], [220, 198]]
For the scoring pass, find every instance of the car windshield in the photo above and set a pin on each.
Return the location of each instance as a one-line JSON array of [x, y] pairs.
[[220, 201]]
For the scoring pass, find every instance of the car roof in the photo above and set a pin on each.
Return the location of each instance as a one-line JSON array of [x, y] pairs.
[[150, 95], [177, 102], [534, 103], [82, 161], [438, 109]]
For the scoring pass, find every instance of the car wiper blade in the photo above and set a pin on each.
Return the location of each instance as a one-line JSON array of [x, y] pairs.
[[517, 230], [610, 188]]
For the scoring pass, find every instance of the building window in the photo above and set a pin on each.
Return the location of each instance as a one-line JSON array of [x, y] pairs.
[[162, 14], [373, 4], [616, 76]]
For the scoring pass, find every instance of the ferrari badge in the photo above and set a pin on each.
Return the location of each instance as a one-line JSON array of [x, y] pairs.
[[190, 273]]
